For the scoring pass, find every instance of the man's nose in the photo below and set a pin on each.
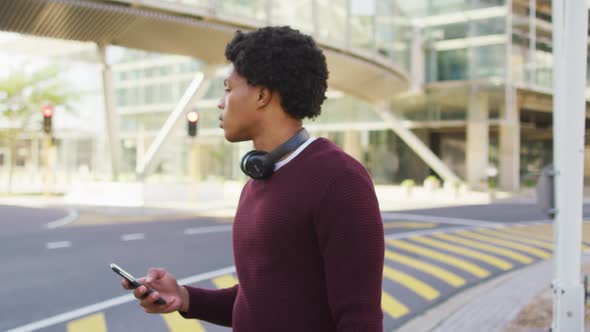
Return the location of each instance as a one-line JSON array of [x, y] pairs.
[[221, 103]]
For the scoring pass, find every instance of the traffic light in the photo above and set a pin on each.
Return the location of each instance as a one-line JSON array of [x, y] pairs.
[[47, 111], [192, 118]]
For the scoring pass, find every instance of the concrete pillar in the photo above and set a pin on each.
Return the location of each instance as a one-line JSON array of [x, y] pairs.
[[70, 153], [110, 113], [477, 142], [352, 144], [418, 60], [140, 143], [509, 149], [35, 154]]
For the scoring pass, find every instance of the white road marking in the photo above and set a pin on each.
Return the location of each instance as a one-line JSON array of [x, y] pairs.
[[70, 218], [70, 315], [204, 230], [58, 245], [132, 237]]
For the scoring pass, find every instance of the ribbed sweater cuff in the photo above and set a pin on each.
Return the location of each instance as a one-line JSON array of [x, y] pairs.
[[214, 306]]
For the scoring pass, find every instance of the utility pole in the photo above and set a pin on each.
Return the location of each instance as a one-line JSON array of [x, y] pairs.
[[570, 50]]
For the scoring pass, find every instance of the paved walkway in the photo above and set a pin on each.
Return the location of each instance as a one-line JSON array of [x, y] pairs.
[[489, 307]]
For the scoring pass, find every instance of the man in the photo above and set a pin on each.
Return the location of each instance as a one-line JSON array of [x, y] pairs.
[[308, 239]]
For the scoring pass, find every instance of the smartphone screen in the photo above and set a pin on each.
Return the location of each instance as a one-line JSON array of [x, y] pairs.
[[133, 282]]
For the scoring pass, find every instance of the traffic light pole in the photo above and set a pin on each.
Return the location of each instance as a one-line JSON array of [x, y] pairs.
[[194, 167], [49, 163], [570, 42]]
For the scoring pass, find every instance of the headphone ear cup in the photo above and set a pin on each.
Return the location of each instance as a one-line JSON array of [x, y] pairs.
[[245, 160], [254, 165]]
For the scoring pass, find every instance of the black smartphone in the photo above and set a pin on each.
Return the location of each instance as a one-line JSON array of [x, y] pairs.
[[133, 282]]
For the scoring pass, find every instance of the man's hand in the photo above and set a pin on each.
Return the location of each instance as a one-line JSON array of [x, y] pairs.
[[164, 285]]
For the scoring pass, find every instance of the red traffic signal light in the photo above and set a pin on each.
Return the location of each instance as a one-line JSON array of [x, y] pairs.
[[47, 111], [192, 118]]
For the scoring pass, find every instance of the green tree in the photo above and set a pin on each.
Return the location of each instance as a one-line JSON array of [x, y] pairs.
[[22, 93]]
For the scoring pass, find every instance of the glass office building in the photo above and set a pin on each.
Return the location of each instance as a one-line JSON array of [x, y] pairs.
[[482, 68], [478, 94]]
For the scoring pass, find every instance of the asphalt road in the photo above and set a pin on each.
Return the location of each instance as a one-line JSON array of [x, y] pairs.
[[47, 275]]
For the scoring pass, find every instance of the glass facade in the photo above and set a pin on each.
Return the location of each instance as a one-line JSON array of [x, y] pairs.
[[465, 42], [472, 49]]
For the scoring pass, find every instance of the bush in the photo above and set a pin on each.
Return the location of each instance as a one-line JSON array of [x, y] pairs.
[[431, 182], [408, 183]]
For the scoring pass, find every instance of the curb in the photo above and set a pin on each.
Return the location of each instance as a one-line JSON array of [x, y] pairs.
[[447, 315], [70, 218]]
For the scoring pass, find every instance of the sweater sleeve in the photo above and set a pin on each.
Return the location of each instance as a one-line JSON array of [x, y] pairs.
[[349, 230], [214, 306]]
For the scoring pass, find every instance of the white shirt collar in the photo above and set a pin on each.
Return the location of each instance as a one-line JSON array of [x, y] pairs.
[[283, 162]]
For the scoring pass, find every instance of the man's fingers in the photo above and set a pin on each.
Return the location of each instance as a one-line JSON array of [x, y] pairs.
[[158, 309], [139, 292], [155, 274], [148, 302], [125, 284]]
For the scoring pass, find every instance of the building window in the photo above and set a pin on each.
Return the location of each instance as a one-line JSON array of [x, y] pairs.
[[166, 93], [489, 61], [151, 94], [452, 65]]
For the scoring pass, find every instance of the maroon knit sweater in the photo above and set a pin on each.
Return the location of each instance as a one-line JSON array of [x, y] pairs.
[[308, 247]]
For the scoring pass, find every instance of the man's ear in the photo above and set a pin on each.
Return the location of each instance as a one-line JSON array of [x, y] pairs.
[[264, 97]]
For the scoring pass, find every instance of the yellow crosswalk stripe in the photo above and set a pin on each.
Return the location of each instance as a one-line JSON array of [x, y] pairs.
[[522, 238], [526, 231], [545, 230], [93, 323], [541, 226], [494, 261], [408, 224], [528, 249], [433, 270], [225, 281], [392, 307], [459, 263], [486, 247], [415, 285], [177, 323]]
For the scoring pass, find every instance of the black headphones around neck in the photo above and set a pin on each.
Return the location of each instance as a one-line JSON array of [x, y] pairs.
[[260, 164]]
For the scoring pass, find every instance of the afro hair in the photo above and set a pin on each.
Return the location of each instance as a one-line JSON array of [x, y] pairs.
[[284, 60]]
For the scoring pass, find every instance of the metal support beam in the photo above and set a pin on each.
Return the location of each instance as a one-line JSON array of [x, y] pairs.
[[196, 89], [570, 37], [532, 60], [110, 112], [417, 145]]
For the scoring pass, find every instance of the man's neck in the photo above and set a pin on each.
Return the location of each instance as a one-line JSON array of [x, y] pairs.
[[272, 138]]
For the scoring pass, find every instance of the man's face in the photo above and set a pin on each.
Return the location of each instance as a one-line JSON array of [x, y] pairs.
[[238, 106]]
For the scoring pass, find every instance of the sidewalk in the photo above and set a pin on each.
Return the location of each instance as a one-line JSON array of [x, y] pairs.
[[497, 305], [221, 198]]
